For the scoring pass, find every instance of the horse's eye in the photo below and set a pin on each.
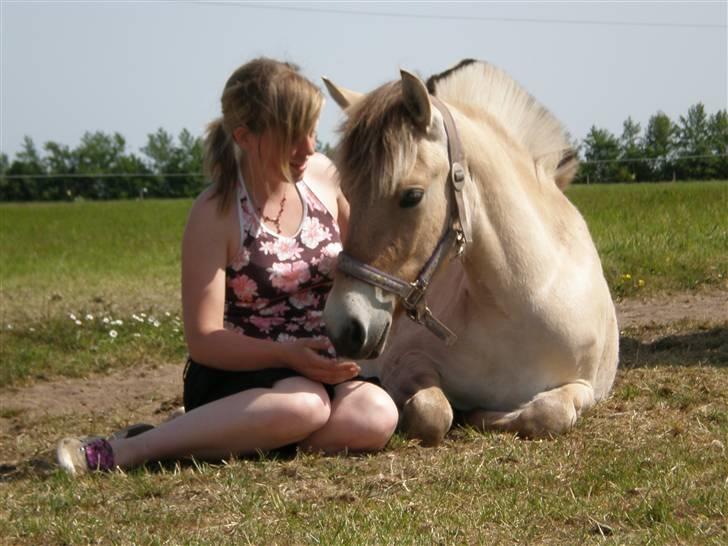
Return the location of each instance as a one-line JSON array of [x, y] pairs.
[[411, 197]]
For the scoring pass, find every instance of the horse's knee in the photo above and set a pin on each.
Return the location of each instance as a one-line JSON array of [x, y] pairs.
[[427, 416]]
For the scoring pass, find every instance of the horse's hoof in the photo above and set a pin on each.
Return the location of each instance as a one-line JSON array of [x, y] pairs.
[[427, 416]]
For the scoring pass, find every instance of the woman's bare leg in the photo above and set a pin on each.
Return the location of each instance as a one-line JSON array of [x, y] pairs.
[[363, 418], [255, 419]]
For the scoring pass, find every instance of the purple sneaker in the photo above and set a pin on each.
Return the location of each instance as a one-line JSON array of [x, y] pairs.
[[77, 456]]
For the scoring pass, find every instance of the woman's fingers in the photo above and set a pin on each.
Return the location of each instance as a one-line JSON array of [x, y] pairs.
[[329, 370]]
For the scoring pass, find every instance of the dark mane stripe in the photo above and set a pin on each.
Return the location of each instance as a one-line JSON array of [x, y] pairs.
[[432, 80]]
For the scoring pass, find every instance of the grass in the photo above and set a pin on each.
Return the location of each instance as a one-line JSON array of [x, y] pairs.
[[656, 237], [648, 466]]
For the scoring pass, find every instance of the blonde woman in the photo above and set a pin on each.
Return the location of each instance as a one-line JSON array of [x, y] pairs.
[[257, 262]]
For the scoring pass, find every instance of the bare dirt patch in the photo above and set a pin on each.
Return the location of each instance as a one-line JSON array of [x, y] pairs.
[[657, 325]]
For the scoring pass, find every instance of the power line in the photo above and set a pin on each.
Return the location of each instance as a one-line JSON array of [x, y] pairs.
[[101, 175], [335, 11], [648, 159], [200, 175]]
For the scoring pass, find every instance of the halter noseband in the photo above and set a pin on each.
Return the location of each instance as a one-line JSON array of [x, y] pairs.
[[412, 294]]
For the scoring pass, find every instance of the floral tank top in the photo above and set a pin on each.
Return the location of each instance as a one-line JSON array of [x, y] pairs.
[[276, 286]]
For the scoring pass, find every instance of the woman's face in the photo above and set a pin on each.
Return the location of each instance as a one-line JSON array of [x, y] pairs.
[[265, 153]]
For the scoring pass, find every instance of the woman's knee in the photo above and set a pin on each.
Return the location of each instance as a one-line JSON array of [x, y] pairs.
[[372, 418], [304, 410], [310, 409]]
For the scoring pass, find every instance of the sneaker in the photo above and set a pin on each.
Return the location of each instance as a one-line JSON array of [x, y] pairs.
[[77, 456]]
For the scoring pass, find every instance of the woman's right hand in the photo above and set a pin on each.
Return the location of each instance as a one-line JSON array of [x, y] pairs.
[[303, 356]]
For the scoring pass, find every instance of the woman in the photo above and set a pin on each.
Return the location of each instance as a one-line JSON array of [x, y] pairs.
[[257, 262]]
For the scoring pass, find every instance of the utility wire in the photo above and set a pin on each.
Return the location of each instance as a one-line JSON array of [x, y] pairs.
[[181, 175], [335, 11]]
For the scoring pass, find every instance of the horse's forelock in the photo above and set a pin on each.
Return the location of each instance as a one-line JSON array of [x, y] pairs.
[[378, 145]]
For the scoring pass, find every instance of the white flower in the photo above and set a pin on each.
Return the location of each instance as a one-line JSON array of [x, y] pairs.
[[10, 326], [78, 322], [167, 314], [89, 317], [156, 324], [105, 320], [72, 316], [142, 314], [31, 329], [113, 333], [117, 322], [137, 334]]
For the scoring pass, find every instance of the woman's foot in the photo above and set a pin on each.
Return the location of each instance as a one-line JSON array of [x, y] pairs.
[[79, 456]]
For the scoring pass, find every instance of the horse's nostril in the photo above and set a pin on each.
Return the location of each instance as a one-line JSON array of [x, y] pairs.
[[355, 335]]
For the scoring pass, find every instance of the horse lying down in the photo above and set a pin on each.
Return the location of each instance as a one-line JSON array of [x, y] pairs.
[[457, 203]]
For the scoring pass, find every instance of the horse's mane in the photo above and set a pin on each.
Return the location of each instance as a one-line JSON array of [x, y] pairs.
[[378, 144], [481, 85]]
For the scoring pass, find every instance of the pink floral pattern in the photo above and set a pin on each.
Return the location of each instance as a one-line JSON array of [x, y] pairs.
[[289, 276], [244, 287], [277, 286], [313, 232]]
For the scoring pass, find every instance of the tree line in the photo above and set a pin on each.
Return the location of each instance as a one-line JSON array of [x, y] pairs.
[[695, 147]]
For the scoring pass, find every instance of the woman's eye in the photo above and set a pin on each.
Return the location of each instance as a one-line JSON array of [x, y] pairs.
[[411, 197]]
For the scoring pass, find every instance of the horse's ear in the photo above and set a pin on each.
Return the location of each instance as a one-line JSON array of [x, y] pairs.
[[342, 96], [566, 169], [416, 100]]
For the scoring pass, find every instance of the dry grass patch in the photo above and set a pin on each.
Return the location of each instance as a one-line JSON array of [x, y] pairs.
[[649, 465]]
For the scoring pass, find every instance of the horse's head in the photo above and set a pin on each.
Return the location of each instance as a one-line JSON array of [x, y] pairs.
[[393, 163]]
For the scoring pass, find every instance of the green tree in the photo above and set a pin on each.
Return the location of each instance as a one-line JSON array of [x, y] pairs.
[[718, 144], [631, 152], [27, 162], [178, 167], [99, 154], [693, 144], [601, 151], [62, 162], [659, 146]]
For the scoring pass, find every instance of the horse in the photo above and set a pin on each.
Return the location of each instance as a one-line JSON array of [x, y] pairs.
[[459, 221]]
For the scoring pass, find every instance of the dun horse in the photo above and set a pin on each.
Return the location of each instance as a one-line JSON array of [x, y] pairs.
[[459, 222]]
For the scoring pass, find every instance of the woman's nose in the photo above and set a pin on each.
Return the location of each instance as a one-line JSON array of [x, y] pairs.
[[307, 145]]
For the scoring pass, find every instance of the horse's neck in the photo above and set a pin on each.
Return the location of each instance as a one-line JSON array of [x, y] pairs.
[[515, 248]]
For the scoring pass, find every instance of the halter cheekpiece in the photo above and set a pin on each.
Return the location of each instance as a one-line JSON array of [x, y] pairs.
[[458, 234]]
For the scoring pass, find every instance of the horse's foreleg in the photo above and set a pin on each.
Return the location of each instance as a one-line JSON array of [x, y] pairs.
[[549, 413], [414, 384]]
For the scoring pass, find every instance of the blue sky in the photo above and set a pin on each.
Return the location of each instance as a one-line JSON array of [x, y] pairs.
[[132, 67]]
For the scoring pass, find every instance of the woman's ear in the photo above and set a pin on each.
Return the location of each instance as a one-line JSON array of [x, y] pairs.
[[243, 138]]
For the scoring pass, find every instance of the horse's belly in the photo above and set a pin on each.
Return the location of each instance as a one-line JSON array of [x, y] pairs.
[[504, 378]]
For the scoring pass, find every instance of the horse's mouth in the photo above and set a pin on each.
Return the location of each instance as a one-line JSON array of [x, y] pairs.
[[379, 347]]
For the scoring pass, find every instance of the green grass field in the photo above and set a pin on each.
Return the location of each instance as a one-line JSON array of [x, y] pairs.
[[90, 287], [117, 260]]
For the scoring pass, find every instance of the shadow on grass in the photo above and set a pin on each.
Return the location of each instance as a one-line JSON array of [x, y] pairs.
[[702, 348], [44, 465]]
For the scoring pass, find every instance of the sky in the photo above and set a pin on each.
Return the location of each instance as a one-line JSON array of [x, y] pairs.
[[133, 67]]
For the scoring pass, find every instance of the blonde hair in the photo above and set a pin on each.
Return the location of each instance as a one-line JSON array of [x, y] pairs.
[[263, 94]]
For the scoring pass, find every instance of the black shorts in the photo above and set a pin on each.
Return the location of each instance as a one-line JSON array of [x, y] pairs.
[[203, 384]]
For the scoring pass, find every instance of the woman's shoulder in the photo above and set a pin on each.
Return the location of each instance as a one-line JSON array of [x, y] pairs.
[[206, 213], [322, 178], [322, 172]]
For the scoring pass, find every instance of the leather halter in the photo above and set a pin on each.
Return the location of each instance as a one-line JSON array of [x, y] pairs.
[[458, 233]]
